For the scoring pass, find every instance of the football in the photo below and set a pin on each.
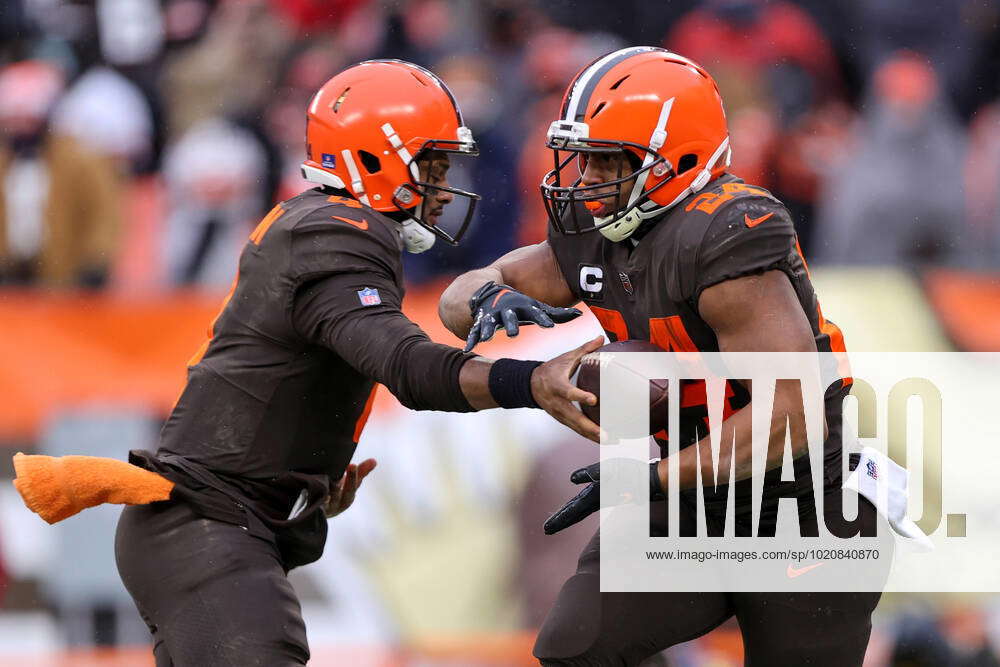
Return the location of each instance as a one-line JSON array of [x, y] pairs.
[[589, 379]]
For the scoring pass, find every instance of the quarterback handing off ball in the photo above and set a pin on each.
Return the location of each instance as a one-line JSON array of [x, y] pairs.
[[589, 379]]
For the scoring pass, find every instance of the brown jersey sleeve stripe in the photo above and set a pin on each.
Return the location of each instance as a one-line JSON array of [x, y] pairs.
[[359, 425], [258, 234]]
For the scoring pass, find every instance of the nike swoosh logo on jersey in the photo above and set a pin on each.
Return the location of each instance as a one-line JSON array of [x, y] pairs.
[[793, 572], [360, 224], [753, 222]]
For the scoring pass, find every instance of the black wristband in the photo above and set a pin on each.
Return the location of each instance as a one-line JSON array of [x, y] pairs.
[[510, 383]]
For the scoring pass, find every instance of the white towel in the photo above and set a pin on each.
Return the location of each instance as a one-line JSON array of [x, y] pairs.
[[884, 482]]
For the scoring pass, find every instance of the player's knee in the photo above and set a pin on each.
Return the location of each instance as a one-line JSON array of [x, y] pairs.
[[573, 625]]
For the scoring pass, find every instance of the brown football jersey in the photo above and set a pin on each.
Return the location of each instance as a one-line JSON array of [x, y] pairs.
[[650, 290], [313, 322]]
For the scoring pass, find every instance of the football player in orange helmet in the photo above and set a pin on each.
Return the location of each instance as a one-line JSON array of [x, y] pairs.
[[649, 229], [647, 169], [257, 451], [391, 157]]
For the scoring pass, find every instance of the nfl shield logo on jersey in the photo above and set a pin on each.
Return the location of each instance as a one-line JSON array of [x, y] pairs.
[[369, 297], [872, 469]]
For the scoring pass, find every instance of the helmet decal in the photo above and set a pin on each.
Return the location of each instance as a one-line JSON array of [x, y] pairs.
[[575, 105]]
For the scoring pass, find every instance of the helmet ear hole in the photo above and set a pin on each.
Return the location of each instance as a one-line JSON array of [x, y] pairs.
[[371, 163], [687, 161]]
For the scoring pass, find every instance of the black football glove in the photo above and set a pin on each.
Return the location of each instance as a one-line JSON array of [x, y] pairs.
[[588, 501], [493, 305]]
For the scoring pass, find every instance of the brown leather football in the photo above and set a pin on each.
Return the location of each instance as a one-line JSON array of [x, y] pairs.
[[589, 379]]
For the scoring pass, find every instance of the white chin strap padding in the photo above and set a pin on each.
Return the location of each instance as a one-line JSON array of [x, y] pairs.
[[623, 228], [416, 239]]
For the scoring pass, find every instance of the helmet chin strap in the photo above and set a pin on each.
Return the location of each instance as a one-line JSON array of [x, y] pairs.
[[628, 223], [416, 239]]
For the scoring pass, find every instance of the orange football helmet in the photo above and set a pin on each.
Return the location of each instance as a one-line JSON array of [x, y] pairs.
[[661, 108], [366, 128]]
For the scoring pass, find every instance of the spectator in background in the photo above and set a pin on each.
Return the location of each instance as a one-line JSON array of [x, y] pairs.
[[897, 199], [231, 70], [757, 37], [634, 21], [982, 181], [960, 38], [919, 643], [956, 635], [110, 115], [307, 67], [111, 51], [215, 178], [15, 26], [782, 84], [804, 156], [60, 203], [553, 56], [317, 15], [544, 562]]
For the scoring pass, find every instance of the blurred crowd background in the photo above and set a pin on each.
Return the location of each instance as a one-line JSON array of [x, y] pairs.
[[141, 141]]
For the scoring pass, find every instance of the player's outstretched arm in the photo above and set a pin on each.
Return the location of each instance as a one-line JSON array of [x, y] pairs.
[[489, 384], [380, 342], [525, 286]]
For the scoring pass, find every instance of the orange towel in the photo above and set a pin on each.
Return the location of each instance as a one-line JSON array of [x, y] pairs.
[[56, 488]]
